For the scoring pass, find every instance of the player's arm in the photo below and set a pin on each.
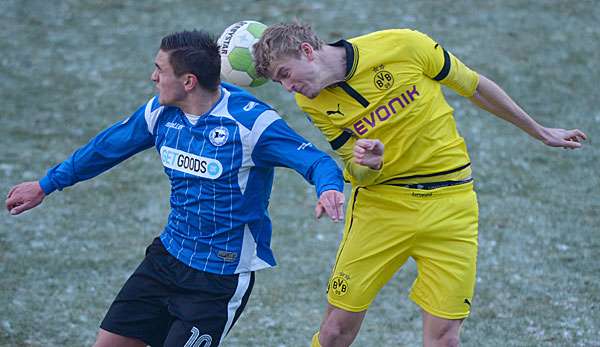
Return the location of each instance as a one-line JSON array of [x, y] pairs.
[[442, 66], [102, 152], [363, 159], [24, 196], [490, 97], [369, 153], [279, 145], [346, 146]]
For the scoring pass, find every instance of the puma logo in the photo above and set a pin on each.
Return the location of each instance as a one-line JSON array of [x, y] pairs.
[[331, 113]]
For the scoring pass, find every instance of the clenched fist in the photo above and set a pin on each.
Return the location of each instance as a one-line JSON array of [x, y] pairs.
[[369, 153]]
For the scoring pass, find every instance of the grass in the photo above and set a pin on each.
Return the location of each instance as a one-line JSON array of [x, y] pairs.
[[71, 68]]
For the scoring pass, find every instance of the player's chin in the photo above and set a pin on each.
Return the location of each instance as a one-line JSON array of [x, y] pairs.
[[165, 102], [308, 93], [311, 95]]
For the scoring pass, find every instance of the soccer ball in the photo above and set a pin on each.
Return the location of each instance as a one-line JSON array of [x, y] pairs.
[[235, 47]]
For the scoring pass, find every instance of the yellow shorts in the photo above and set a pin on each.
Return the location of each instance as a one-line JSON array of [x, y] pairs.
[[386, 224]]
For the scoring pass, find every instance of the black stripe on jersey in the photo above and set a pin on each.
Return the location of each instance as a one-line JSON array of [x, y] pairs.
[[430, 175], [349, 229], [354, 94], [351, 56], [341, 140], [354, 62], [445, 68], [351, 64]]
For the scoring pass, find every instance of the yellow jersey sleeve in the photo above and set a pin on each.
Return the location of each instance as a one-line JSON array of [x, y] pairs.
[[440, 65], [355, 173]]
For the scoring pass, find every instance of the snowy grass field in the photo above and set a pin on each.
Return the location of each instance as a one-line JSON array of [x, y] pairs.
[[70, 68]]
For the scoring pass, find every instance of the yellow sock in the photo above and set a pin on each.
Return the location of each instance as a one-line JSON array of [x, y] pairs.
[[315, 340]]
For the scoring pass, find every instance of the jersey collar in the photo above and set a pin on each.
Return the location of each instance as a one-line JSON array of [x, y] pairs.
[[351, 57]]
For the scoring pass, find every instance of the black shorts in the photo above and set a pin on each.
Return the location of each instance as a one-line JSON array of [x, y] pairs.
[[167, 303]]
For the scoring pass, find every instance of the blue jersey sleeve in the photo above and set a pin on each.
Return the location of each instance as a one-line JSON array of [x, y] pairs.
[[104, 151], [279, 145]]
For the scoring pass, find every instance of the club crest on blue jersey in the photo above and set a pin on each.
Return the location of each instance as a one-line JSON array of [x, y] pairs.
[[218, 136]]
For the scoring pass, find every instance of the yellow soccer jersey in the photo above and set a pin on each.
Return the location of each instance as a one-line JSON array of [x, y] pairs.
[[392, 92]]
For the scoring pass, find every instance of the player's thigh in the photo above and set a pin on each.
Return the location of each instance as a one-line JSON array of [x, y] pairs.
[[207, 307], [187, 334], [140, 309], [108, 339], [446, 253], [376, 242]]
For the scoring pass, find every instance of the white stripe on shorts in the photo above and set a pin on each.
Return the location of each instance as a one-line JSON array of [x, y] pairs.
[[236, 300]]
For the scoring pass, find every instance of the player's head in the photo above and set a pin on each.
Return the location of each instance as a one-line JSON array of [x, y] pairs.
[[186, 60], [286, 54]]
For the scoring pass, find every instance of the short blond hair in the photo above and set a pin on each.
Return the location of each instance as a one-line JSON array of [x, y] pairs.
[[282, 40]]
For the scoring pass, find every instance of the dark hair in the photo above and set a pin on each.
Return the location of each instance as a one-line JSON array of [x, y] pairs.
[[194, 52]]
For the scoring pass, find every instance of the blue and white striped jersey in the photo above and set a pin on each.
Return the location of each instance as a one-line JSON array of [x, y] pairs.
[[221, 173]]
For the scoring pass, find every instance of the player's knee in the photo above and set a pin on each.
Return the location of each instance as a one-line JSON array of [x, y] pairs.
[[330, 332], [446, 338], [336, 331], [449, 341], [440, 332]]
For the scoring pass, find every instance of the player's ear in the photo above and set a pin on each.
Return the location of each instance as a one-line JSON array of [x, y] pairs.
[[307, 50], [190, 81]]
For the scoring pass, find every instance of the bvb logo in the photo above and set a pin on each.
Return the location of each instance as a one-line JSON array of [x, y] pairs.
[[338, 285], [383, 80]]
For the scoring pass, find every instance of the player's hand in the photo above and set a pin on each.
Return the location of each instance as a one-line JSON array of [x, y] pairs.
[[555, 137], [24, 196], [332, 203], [369, 153]]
